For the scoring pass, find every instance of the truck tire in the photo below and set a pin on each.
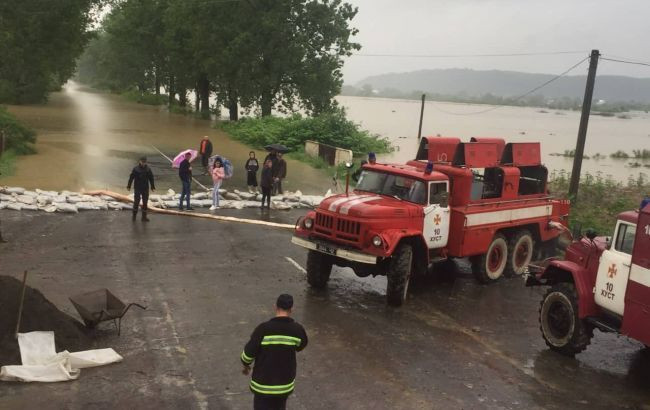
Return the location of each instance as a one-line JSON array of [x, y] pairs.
[[562, 329], [399, 274], [319, 267], [520, 253], [489, 267]]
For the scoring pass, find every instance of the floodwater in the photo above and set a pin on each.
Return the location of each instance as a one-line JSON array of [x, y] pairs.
[[88, 140], [556, 130]]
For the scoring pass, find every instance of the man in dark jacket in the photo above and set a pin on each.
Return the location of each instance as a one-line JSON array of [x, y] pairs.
[[185, 174], [280, 173], [141, 177], [273, 346], [205, 149]]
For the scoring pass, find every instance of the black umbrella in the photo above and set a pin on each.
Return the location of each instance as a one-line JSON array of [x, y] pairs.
[[276, 147]]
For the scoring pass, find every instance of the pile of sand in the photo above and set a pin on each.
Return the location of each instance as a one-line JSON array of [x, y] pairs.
[[38, 314]]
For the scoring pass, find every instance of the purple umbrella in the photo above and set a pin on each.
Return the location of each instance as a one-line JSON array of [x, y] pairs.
[[181, 156]]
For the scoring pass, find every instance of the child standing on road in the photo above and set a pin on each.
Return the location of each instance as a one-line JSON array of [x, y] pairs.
[[266, 182], [218, 175]]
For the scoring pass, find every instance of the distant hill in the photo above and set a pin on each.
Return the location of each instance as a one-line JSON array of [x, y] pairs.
[[475, 83]]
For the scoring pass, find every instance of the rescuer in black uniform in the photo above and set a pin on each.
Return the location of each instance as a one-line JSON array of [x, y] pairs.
[[273, 346], [141, 177]]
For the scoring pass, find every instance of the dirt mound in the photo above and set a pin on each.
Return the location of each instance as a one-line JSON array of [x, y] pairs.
[[38, 314]]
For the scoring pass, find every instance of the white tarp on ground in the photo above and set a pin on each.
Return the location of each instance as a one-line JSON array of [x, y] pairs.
[[41, 363]]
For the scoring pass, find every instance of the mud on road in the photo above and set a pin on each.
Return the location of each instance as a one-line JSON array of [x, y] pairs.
[[454, 345]]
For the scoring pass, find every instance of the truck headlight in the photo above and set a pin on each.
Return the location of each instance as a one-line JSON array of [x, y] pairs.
[[376, 240], [309, 223]]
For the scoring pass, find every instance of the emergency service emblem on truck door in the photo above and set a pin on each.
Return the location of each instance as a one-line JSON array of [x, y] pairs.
[[436, 217], [614, 270]]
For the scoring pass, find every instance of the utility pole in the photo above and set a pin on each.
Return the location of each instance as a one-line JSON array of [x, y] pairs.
[[421, 115], [584, 122]]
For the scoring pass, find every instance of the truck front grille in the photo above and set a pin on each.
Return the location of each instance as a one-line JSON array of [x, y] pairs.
[[337, 228]]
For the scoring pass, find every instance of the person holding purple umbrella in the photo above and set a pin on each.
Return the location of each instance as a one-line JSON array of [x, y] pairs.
[[185, 174]]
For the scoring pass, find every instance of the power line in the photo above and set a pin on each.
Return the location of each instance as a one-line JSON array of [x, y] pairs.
[[527, 93], [626, 61], [467, 55]]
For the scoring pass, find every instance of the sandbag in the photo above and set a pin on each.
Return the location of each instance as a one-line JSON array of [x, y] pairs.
[[8, 198], [29, 207], [65, 207], [86, 206], [26, 199], [3, 205], [13, 190], [16, 206], [59, 199], [279, 205], [233, 196]]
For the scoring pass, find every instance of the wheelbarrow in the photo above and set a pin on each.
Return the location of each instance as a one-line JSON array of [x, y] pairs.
[[101, 305]]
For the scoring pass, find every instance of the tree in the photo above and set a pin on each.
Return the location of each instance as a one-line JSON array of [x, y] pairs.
[[39, 43]]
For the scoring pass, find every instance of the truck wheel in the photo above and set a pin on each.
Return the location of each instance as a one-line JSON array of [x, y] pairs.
[[520, 253], [399, 274], [489, 267], [562, 329], [319, 267]]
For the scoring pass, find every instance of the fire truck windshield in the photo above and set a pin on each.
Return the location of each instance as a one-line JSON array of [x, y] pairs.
[[396, 186]]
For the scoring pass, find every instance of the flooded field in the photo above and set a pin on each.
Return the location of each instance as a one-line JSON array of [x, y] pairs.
[[556, 130], [89, 140]]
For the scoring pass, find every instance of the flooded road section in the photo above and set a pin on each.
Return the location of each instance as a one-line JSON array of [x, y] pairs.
[[90, 140], [454, 344], [557, 130]]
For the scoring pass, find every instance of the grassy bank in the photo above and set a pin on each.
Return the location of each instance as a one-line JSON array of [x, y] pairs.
[[330, 128], [600, 199], [19, 140]]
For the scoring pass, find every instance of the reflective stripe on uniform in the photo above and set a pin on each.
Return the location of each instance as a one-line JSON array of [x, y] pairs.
[[245, 358], [281, 340], [264, 389]]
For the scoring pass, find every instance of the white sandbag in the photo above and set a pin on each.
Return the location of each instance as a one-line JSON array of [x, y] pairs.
[[43, 199], [16, 206], [102, 206], [41, 363], [65, 207], [222, 191], [13, 190], [114, 205], [28, 207], [48, 208], [86, 206], [171, 192], [30, 193], [298, 193], [171, 204], [329, 193], [251, 204], [26, 199], [59, 199], [3, 205], [47, 193], [155, 197], [279, 205], [7, 198], [247, 195], [106, 198], [231, 195], [201, 195], [73, 199]]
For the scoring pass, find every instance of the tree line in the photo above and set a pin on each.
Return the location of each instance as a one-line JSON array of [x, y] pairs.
[[40, 41], [271, 54]]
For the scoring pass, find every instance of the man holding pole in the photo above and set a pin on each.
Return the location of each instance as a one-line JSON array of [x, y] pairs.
[[206, 151]]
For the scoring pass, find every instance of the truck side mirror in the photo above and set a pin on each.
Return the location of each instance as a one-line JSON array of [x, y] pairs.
[[591, 234]]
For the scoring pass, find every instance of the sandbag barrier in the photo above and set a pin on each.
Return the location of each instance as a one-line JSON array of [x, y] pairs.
[[20, 199]]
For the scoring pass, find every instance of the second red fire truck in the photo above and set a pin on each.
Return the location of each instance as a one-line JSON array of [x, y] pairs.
[[483, 199]]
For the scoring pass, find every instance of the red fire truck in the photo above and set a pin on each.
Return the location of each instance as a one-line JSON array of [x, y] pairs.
[[602, 283], [484, 199]]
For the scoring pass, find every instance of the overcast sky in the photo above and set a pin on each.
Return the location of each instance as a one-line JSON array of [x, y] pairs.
[[618, 28]]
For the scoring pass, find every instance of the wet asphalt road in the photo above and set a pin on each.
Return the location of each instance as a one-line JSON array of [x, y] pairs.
[[454, 345]]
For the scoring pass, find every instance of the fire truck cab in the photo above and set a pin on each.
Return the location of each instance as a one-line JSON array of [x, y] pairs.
[[483, 199], [602, 283]]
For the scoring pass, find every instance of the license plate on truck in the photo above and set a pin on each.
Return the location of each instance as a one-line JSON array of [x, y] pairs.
[[326, 249]]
